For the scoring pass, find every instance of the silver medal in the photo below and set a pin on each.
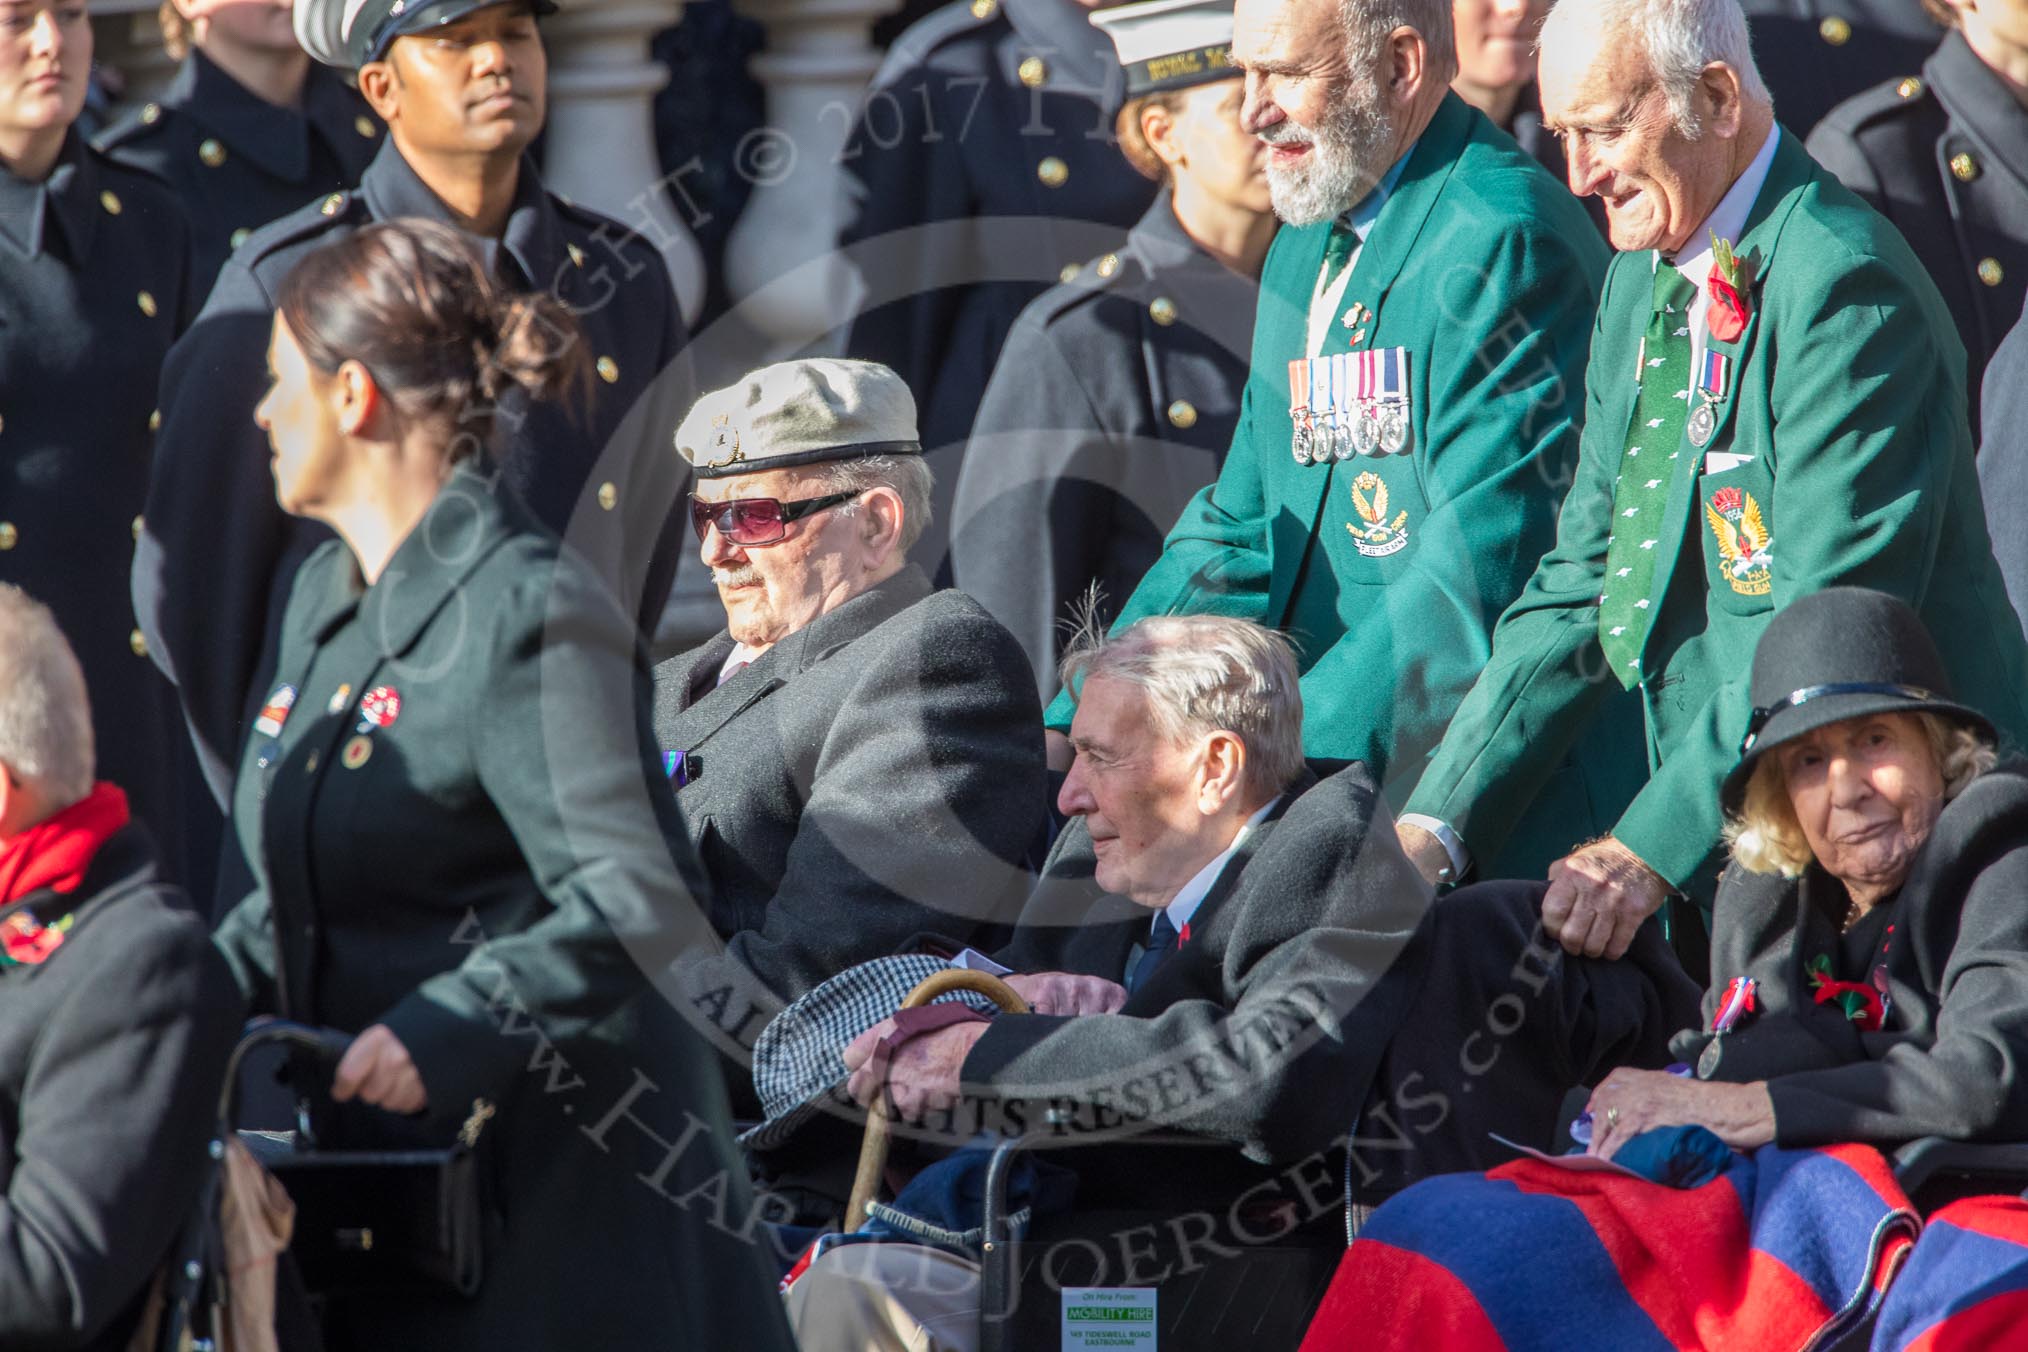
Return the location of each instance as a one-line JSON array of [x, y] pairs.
[[1366, 432], [1707, 1064], [1393, 429], [1342, 444], [1301, 444], [1702, 423]]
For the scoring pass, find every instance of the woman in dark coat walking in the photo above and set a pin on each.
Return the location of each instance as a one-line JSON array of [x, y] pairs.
[[467, 854]]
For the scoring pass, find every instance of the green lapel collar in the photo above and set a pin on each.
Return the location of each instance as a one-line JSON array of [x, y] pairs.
[[1380, 261], [1787, 176]]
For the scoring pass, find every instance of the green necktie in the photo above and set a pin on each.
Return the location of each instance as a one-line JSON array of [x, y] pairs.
[[1642, 488], [1337, 252]]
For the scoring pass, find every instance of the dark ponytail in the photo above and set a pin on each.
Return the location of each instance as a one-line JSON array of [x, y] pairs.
[[412, 302]]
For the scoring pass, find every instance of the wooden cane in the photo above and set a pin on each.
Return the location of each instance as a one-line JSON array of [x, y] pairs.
[[873, 1150]]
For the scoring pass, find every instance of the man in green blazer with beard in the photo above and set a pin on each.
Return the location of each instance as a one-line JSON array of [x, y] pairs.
[[1410, 419], [1775, 404]]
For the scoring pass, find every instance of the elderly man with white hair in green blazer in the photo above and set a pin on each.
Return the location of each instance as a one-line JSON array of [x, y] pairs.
[[1775, 404]]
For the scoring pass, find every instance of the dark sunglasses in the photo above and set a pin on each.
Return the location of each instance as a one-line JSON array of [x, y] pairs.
[[756, 521]]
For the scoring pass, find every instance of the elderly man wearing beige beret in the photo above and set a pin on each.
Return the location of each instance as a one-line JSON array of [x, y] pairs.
[[858, 756]]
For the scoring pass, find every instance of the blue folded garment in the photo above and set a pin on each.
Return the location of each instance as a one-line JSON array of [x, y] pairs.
[[1675, 1157]]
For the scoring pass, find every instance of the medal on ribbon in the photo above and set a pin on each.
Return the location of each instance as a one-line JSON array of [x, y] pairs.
[[1303, 443], [1384, 393], [1712, 377], [275, 711], [1737, 1002]]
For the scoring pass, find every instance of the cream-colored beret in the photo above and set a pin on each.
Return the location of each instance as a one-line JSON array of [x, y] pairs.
[[800, 413]]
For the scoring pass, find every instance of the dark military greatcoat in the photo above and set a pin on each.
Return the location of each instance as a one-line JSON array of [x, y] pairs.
[[983, 165], [1945, 157], [1815, 54], [94, 287], [2003, 460], [216, 560], [1114, 402], [458, 828], [237, 161]]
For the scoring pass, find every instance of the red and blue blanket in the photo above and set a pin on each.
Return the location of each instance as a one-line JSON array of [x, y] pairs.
[[1787, 1249], [1965, 1288]]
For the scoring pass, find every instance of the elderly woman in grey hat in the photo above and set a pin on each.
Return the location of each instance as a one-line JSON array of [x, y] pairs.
[[1869, 942]]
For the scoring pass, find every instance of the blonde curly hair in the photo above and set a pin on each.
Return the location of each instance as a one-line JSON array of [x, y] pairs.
[[1764, 835]]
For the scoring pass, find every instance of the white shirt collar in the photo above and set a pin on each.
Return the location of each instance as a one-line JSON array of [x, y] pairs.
[[740, 656], [1728, 218], [1184, 904]]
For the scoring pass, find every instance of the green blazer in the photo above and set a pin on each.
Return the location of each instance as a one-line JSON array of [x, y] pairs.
[[1487, 272], [1847, 402]]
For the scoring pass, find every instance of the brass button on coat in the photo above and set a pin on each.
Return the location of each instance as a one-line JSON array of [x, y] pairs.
[[985, 9], [1162, 310], [1032, 72], [110, 200], [9, 537], [1053, 172], [1108, 265], [609, 370], [138, 641], [1183, 414], [146, 300], [212, 153], [333, 204], [1070, 271], [1990, 271], [364, 126], [1964, 167], [1835, 31], [609, 496], [1909, 88]]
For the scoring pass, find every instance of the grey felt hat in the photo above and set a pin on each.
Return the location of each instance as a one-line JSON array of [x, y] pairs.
[[800, 413]]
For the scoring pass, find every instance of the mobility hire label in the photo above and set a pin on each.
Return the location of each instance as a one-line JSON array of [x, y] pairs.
[[1109, 1318]]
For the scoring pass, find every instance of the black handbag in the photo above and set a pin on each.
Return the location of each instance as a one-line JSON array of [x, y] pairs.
[[372, 1220]]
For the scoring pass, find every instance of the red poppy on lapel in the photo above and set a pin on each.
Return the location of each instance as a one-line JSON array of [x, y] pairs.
[[1727, 287], [1183, 935]]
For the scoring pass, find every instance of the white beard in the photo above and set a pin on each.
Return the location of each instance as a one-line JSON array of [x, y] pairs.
[[1345, 157]]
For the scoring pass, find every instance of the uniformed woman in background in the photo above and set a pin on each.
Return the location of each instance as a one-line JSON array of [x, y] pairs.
[[466, 852], [251, 128], [1117, 393], [94, 287]]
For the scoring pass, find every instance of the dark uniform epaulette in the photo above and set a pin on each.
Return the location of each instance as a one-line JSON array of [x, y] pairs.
[[142, 125], [336, 209], [934, 30], [1889, 99], [1111, 273]]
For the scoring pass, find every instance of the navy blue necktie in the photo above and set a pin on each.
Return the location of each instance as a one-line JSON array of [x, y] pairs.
[[1160, 945]]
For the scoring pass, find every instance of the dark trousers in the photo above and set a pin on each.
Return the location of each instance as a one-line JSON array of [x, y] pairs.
[[1504, 1026]]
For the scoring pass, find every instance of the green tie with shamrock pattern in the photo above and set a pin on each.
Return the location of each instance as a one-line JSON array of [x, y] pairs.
[[1642, 488]]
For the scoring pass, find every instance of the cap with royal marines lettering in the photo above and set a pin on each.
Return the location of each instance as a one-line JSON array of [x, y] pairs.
[[1170, 44], [350, 33]]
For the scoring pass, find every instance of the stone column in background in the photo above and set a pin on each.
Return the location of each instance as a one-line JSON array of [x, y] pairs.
[[818, 62]]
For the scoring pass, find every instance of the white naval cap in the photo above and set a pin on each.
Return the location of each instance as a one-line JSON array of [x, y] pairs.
[[1170, 44]]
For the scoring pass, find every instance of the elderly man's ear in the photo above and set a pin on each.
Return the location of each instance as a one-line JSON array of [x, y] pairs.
[[1221, 775], [20, 805], [880, 515], [1720, 109]]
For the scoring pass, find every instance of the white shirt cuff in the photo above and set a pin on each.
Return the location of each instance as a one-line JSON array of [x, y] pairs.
[[1454, 845]]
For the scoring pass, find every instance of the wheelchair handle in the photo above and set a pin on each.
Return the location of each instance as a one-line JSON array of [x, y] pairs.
[[326, 1044], [873, 1149]]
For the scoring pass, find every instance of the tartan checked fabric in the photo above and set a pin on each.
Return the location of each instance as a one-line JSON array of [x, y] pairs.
[[796, 1066]]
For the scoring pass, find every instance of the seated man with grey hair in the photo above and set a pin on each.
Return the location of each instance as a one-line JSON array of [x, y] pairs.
[[1294, 992], [1220, 944], [858, 755], [116, 1018]]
